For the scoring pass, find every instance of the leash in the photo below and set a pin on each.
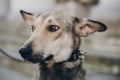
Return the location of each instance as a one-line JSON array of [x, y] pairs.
[[76, 54], [11, 57]]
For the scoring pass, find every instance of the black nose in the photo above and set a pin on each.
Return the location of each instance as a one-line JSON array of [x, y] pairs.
[[25, 51]]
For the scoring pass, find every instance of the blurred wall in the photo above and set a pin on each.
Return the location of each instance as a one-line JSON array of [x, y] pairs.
[[4, 8], [32, 5]]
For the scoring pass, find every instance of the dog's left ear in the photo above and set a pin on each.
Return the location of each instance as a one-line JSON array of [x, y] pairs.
[[28, 17], [84, 27]]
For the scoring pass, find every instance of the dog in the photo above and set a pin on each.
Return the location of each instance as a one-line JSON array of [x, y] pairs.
[[55, 37]]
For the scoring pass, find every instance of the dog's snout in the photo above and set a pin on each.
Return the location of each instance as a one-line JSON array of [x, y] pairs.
[[25, 51]]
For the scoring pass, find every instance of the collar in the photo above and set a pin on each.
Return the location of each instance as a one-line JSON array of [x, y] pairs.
[[77, 54]]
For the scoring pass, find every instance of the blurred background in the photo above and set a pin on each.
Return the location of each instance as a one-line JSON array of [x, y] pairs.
[[102, 62]]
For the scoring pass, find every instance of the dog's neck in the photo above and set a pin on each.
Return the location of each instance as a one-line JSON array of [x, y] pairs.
[[67, 70], [58, 72]]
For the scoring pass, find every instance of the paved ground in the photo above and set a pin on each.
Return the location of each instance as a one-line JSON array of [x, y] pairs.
[[8, 74], [99, 76]]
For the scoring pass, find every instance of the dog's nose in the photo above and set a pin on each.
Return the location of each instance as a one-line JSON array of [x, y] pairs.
[[25, 51]]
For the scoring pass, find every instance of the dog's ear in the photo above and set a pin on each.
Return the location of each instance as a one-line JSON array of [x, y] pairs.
[[28, 17], [85, 27]]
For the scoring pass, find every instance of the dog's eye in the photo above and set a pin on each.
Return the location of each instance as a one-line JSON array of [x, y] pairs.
[[53, 28]]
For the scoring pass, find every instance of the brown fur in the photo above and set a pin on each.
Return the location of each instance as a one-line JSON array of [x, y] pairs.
[[60, 43]]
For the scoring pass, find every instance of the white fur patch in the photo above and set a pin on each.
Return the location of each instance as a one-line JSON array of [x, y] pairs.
[[84, 21], [66, 48]]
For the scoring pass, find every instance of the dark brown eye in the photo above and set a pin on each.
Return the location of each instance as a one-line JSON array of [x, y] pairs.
[[53, 28]]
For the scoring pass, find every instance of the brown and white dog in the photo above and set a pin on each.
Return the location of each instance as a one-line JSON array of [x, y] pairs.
[[55, 35]]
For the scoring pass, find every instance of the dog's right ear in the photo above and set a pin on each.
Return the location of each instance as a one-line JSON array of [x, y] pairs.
[[84, 27], [28, 17]]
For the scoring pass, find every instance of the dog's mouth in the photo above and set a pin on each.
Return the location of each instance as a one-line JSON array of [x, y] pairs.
[[36, 59]]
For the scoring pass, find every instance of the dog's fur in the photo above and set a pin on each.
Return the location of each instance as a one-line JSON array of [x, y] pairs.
[[55, 35]]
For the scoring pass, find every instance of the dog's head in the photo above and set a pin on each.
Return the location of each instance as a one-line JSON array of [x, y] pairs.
[[55, 35]]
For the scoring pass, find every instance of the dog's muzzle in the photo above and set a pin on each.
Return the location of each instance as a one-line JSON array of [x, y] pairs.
[[26, 53]]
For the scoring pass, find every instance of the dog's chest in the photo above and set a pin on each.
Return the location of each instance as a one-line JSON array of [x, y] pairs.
[[58, 72]]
